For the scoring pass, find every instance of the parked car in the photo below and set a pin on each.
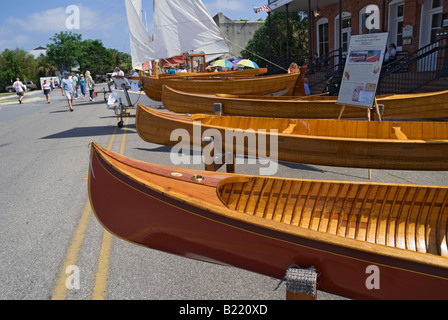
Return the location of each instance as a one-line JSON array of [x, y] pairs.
[[30, 85]]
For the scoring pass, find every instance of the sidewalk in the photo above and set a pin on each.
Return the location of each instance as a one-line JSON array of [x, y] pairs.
[[30, 96]]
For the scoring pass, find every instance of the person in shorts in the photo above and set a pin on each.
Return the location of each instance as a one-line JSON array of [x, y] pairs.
[[68, 89], [46, 90], [20, 89]]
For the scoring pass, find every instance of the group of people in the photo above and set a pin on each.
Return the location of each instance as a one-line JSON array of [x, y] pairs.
[[71, 86], [71, 83]]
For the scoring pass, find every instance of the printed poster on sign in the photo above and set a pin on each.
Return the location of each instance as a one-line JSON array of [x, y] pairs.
[[362, 69]]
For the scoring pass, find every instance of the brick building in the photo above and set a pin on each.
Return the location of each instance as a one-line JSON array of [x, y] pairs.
[[411, 24]]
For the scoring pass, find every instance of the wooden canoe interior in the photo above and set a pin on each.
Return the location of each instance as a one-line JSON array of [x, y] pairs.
[[407, 217], [336, 128]]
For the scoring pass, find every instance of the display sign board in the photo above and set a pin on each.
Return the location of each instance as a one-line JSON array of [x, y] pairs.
[[362, 69]]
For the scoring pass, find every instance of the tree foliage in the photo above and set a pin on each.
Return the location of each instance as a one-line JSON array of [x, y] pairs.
[[298, 38], [14, 64], [66, 51]]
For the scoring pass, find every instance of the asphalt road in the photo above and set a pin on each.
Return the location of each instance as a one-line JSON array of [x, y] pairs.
[[46, 223]]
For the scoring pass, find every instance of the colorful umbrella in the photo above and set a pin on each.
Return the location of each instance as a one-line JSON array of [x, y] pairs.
[[224, 63], [248, 63]]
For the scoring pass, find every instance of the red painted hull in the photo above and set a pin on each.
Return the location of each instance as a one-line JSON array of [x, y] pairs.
[[156, 218]]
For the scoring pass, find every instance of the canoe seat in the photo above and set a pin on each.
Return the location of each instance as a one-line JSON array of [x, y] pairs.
[[407, 217]]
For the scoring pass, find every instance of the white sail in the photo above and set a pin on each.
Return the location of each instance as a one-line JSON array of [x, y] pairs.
[[142, 47], [185, 25], [138, 5]]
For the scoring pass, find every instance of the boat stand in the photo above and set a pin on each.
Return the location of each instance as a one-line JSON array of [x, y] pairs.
[[378, 110], [214, 163], [301, 284], [122, 110]]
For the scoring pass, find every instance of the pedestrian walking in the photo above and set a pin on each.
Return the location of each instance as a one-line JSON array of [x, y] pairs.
[[75, 82], [82, 85], [46, 89], [90, 85], [20, 89], [68, 89]]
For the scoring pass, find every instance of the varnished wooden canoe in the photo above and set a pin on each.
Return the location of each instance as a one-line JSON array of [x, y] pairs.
[[396, 106], [278, 84], [343, 229], [405, 145], [230, 73]]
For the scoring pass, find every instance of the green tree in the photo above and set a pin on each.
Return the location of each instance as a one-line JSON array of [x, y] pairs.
[[45, 67], [298, 38], [65, 50], [17, 63], [94, 57], [120, 59]]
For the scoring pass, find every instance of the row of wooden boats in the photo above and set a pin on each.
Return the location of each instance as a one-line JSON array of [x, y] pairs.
[[365, 240], [266, 224]]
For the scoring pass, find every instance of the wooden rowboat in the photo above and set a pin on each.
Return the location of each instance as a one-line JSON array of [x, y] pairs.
[[396, 106], [279, 84], [343, 229], [405, 145]]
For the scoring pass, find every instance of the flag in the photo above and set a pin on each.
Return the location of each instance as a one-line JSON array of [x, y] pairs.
[[262, 8]]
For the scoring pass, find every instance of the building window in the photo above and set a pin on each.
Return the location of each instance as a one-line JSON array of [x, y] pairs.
[[435, 25], [436, 4], [322, 36]]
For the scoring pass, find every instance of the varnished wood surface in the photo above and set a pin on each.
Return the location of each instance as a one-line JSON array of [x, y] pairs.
[[406, 217], [281, 84], [405, 106], [266, 224], [407, 145]]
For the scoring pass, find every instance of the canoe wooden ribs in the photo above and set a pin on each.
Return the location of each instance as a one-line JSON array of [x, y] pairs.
[[389, 215], [266, 224]]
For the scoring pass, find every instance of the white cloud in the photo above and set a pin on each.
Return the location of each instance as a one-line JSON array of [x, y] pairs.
[[36, 28], [54, 20]]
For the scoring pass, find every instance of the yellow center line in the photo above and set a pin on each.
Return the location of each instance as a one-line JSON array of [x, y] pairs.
[[99, 291], [71, 258]]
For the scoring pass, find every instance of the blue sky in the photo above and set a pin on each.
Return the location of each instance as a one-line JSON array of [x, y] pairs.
[[33, 23]]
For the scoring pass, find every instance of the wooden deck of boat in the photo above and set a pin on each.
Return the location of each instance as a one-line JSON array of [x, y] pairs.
[[406, 217]]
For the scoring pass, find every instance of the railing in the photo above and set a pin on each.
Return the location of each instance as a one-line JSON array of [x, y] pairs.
[[407, 73], [410, 72], [323, 68]]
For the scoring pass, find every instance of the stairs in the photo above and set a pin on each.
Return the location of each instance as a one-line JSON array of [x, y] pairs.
[[435, 85]]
